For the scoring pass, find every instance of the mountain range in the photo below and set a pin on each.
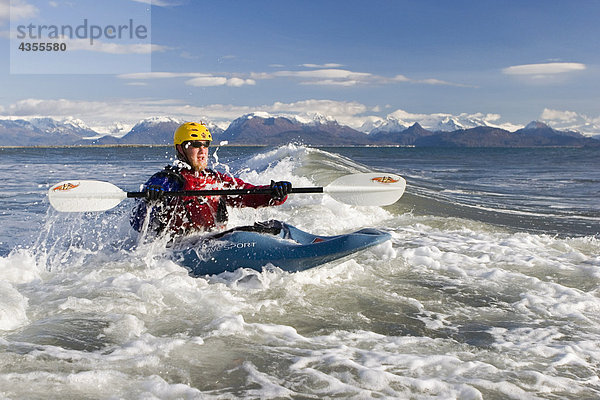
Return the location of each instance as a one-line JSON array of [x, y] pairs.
[[264, 129]]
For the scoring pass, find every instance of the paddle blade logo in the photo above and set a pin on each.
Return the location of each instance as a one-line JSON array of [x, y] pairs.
[[64, 187], [385, 179]]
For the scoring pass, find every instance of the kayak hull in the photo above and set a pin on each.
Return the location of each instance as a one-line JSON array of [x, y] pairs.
[[283, 246]]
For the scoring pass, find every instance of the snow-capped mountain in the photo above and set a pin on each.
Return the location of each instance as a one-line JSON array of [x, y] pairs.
[[158, 130], [400, 120], [542, 129], [587, 126], [116, 129], [63, 126], [387, 125], [398, 128], [535, 125], [266, 129], [589, 129], [449, 124], [42, 131], [149, 123], [310, 119], [407, 137], [155, 130], [314, 119]]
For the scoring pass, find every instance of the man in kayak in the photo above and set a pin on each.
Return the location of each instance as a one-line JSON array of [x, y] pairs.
[[183, 215]]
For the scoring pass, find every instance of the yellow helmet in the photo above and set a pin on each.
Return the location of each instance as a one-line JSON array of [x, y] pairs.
[[191, 131]]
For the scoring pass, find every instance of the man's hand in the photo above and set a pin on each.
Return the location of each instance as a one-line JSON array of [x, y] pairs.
[[154, 192], [280, 189]]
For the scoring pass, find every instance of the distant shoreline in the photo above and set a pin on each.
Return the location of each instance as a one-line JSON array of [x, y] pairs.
[[170, 145], [83, 146], [105, 146]]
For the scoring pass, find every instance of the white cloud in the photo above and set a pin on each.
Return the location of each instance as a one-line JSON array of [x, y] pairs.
[[446, 121], [332, 82], [198, 79], [100, 114], [344, 77], [400, 78], [55, 107], [571, 120], [261, 75], [433, 81], [404, 115], [19, 9], [219, 81], [325, 107], [114, 48], [330, 73], [159, 3], [236, 82], [538, 70], [329, 65], [207, 81], [556, 115], [320, 76], [160, 75]]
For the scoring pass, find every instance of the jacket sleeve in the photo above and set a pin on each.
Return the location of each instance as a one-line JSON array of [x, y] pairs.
[[248, 200], [168, 181]]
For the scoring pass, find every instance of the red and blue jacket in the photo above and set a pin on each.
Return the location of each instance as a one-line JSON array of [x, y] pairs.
[[183, 215]]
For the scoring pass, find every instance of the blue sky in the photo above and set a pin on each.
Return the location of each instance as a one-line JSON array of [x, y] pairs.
[[511, 61]]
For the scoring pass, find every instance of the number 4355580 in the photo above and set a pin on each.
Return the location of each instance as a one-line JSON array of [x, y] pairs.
[[27, 46]]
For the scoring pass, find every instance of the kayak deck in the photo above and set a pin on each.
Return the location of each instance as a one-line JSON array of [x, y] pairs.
[[271, 242]]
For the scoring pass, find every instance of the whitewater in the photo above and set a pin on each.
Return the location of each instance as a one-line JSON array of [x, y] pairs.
[[489, 288]]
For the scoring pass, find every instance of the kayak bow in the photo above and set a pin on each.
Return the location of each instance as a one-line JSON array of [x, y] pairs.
[[273, 243]]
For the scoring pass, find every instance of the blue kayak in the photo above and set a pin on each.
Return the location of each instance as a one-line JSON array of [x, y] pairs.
[[271, 242]]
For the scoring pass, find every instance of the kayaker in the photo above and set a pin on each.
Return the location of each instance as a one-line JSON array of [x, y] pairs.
[[183, 215]]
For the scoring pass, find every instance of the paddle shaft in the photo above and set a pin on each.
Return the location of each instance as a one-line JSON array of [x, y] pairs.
[[226, 192], [362, 189]]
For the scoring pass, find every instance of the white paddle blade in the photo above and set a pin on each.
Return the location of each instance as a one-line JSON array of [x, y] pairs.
[[84, 195], [370, 189]]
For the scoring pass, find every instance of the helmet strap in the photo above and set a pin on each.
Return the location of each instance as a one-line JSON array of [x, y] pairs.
[[182, 156]]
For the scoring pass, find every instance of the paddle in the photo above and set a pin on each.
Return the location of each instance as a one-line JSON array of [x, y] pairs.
[[367, 189]]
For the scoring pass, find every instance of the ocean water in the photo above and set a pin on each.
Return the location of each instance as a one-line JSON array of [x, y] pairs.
[[489, 288]]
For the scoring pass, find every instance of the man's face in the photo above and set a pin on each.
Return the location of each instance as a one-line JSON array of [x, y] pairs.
[[197, 153]]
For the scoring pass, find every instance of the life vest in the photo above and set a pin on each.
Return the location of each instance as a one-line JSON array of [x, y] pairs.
[[201, 212], [183, 215], [210, 212]]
